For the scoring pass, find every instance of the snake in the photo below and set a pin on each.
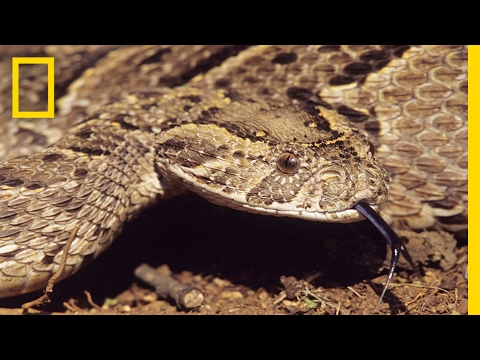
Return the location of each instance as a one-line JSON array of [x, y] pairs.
[[297, 131]]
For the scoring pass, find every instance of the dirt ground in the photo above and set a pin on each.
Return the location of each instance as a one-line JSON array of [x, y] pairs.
[[250, 264]]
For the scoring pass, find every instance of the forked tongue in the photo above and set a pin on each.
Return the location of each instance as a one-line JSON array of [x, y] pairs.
[[392, 239]]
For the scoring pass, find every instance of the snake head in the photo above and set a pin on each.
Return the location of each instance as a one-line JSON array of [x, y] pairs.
[[304, 162]]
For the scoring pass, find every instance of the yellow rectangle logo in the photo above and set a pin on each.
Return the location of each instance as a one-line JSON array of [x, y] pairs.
[[473, 175], [16, 62]]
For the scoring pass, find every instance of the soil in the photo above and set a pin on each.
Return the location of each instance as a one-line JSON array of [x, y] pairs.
[[250, 264]]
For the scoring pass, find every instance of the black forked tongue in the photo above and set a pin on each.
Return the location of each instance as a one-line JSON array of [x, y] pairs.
[[392, 239]]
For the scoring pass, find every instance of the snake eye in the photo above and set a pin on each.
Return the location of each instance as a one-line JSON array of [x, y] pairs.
[[372, 147], [288, 163]]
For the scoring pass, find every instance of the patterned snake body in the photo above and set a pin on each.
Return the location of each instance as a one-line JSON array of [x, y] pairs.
[[269, 131]]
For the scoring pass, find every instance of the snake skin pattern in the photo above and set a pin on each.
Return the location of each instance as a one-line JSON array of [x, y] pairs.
[[280, 130]]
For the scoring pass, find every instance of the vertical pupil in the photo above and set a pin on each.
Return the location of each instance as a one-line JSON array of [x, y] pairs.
[[287, 163]]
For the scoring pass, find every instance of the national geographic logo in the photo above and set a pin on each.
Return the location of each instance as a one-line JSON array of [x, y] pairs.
[[16, 62]]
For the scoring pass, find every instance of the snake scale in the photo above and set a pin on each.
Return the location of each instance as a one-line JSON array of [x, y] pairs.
[[298, 131]]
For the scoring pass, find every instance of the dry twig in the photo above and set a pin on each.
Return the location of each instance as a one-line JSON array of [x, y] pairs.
[[185, 296], [44, 299], [90, 301]]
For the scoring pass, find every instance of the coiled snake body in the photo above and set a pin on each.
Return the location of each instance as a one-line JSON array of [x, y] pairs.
[[272, 130]]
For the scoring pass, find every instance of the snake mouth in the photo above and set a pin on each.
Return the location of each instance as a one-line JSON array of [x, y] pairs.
[[343, 216]]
